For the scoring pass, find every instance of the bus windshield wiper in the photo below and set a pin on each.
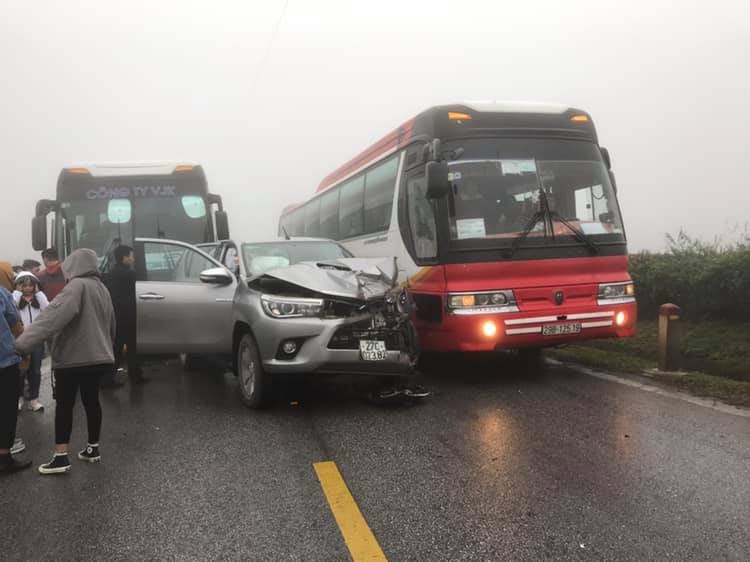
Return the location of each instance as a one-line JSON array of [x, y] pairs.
[[548, 217], [577, 234]]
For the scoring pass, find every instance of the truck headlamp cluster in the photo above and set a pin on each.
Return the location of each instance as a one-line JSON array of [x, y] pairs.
[[289, 307]]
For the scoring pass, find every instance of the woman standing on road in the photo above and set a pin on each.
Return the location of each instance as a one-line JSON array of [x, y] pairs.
[[30, 301], [82, 321]]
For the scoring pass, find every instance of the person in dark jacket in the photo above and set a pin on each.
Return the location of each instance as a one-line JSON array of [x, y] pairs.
[[121, 284], [82, 321]]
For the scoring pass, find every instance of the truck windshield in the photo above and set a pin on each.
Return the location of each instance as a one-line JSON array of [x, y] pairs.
[[262, 257]]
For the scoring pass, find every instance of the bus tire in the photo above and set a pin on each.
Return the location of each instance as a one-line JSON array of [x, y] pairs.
[[252, 378]]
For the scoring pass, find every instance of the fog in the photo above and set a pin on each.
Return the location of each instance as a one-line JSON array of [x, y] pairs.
[[271, 97]]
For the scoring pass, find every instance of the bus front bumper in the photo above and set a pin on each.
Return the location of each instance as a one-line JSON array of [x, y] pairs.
[[546, 328]]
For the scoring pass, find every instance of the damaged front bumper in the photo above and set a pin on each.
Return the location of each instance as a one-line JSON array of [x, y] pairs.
[[349, 318], [332, 346]]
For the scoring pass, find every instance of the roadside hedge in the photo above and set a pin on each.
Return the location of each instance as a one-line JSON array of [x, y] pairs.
[[707, 280]]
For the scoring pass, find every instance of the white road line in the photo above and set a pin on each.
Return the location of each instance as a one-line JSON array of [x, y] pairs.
[[705, 402]]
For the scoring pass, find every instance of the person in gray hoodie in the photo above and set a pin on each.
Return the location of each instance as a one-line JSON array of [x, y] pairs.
[[82, 321]]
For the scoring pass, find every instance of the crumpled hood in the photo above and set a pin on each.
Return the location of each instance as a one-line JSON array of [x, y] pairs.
[[6, 275], [352, 278], [81, 263]]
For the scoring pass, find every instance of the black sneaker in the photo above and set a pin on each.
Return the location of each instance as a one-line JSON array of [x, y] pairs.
[[90, 453], [58, 465]]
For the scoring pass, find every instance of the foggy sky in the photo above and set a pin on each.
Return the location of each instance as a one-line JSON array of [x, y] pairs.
[[270, 100]]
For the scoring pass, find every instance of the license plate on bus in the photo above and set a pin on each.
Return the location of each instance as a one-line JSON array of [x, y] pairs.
[[561, 329], [372, 350]]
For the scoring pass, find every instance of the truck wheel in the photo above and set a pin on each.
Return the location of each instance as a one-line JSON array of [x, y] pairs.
[[252, 379]]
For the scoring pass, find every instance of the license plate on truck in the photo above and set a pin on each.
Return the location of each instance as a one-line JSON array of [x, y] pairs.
[[372, 350], [561, 329]]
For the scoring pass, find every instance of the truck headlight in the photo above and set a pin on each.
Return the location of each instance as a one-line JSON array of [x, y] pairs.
[[616, 293], [485, 302], [290, 307]]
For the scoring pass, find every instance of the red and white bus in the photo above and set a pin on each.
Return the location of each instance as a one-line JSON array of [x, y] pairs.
[[504, 219]]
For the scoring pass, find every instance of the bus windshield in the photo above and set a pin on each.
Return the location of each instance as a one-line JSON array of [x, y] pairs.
[[499, 185], [100, 224]]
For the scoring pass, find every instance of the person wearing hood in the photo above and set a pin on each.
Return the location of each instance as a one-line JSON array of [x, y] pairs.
[[30, 301], [9, 373], [82, 320], [51, 277]]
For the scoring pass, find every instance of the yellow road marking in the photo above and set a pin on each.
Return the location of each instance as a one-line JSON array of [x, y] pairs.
[[357, 535]]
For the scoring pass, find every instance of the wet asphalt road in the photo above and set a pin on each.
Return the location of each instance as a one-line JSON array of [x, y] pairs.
[[504, 462]]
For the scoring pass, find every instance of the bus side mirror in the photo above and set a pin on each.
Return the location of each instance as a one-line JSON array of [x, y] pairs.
[[39, 233], [222, 225], [438, 184], [605, 157]]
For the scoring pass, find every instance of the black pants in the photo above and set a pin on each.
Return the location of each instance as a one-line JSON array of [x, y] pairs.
[[8, 405], [126, 337], [67, 384]]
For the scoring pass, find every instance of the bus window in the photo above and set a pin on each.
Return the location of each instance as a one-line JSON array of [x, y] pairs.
[[194, 206], [421, 219], [119, 211], [380, 183], [312, 218], [329, 214], [351, 220]]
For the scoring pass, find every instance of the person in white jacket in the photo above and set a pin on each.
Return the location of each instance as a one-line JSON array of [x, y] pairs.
[[30, 301]]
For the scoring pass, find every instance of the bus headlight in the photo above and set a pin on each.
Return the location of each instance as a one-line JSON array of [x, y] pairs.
[[484, 302], [288, 307], [616, 293]]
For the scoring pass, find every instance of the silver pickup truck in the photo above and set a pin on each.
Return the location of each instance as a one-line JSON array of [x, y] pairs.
[[289, 306]]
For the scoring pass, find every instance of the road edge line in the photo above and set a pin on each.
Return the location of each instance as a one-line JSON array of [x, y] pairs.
[[710, 403]]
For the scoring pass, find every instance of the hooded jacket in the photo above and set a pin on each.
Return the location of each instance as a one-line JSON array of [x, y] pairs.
[[81, 318], [52, 279], [9, 317]]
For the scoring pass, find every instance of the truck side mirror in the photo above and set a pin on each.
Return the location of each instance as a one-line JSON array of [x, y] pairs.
[[39, 233], [438, 184], [222, 225]]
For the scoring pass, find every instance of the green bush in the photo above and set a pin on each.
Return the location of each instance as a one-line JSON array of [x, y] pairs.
[[707, 280]]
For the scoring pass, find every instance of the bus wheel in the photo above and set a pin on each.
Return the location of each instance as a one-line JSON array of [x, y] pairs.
[[252, 378]]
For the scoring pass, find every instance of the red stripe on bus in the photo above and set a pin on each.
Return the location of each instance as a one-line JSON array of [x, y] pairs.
[[397, 138]]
